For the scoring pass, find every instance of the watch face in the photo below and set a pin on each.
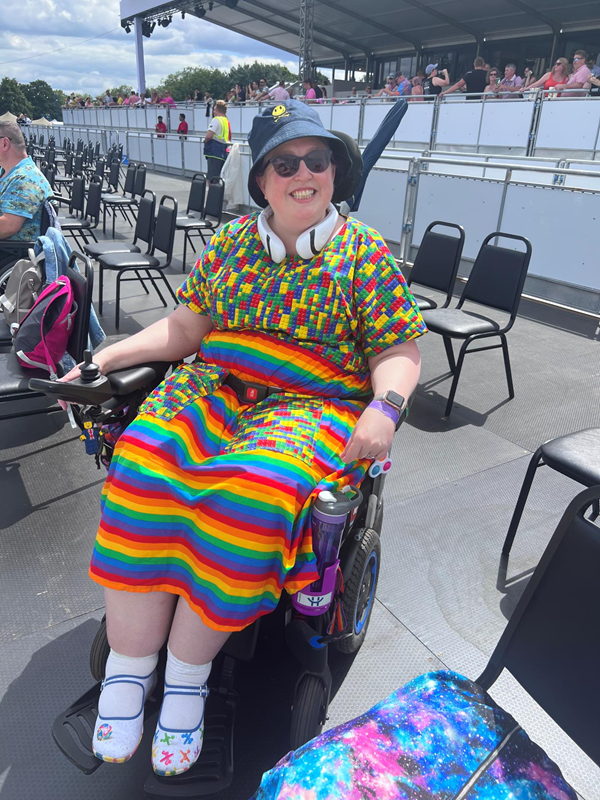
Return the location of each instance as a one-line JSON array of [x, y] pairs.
[[394, 399]]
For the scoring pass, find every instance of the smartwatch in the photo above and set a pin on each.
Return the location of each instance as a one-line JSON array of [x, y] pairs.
[[393, 399]]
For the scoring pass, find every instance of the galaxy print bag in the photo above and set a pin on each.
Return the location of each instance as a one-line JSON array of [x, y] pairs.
[[440, 737]]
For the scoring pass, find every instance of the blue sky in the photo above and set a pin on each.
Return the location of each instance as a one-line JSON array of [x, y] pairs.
[[31, 27]]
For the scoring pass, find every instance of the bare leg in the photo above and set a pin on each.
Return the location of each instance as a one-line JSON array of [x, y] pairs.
[[138, 623], [191, 640]]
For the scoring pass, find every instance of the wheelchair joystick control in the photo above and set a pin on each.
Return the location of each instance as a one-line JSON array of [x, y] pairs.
[[90, 372]]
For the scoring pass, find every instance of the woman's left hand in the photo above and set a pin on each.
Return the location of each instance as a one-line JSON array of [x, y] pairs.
[[371, 438]]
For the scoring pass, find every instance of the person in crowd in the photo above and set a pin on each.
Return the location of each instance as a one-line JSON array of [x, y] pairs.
[[557, 76], [120, 100], [21, 119], [593, 66], [217, 140], [416, 92], [23, 188], [323, 91], [133, 99], [473, 82], [279, 93], [511, 84], [493, 76], [580, 77], [252, 91], [368, 92], [528, 77], [310, 94], [595, 85], [202, 481], [160, 128], [167, 100], [486, 67], [262, 86], [107, 99], [240, 93], [388, 88], [435, 81], [182, 129], [209, 102], [154, 98], [353, 96], [89, 103], [401, 88]]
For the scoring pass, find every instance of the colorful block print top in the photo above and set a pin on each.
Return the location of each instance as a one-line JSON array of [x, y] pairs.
[[22, 193], [349, 302], [440, 737]]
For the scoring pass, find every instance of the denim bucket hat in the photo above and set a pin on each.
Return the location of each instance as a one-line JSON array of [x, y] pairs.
[[282, 123]]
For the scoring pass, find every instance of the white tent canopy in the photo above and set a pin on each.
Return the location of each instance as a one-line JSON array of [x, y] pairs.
[[8, 117]]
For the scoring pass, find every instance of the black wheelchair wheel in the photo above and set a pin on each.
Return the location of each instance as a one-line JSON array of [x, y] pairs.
[[359, 592], [99, 652], [309, 710]]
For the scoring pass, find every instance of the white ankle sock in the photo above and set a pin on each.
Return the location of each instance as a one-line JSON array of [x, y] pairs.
[[183, 711], [120, 720]]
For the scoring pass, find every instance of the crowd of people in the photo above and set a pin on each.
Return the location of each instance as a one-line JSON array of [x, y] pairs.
[[582, 74]]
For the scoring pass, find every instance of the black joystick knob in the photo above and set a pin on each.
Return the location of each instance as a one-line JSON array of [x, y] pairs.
[[90, 372]]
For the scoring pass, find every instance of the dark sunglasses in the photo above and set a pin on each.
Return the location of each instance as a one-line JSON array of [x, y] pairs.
[[288, 165]]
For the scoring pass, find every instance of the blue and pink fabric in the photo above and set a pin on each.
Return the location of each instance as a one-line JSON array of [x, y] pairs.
[[439, 737]]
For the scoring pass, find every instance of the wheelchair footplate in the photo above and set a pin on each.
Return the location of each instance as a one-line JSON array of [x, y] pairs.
[[72, 731]]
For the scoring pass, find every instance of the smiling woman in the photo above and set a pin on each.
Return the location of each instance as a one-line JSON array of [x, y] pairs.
[[298, 316]]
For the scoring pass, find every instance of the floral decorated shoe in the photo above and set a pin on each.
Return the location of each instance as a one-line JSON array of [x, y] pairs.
[[116, 738], [175, 750]]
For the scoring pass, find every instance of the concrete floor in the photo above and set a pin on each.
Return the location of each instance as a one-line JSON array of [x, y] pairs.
[[442, 601]]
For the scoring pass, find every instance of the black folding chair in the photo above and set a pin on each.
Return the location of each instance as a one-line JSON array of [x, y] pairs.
[[192, 221], [436, 263], [82, 227], [144, 229], [496, 281], [67, 178], [213, 211], [120, 202], [575, 455], [121, 263], [14, 379]]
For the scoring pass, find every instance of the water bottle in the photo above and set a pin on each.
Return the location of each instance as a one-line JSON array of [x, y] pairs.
[[329, 514]]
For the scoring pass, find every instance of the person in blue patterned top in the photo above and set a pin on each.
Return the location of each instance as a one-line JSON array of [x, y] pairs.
[[23, 188]]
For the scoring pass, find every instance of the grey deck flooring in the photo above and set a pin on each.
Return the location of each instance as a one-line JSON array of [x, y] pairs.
[[441, 600]]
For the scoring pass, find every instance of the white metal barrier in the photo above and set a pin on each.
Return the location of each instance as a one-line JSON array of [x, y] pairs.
[[481, 193], [533, 125]]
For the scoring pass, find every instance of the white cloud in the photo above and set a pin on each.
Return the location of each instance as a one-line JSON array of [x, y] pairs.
[[29, 27]]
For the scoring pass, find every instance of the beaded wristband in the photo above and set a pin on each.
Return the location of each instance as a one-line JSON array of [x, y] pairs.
[[385, 408]]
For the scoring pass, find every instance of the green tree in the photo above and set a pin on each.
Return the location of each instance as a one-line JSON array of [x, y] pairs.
[[42, 98], [13, 99], [119, 91], [272, 73], [62, 99]]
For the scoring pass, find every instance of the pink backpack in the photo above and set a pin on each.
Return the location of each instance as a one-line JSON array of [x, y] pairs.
[[42, 337]]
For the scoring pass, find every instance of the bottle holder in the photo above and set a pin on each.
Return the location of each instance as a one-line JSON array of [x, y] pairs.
[[314, 603]]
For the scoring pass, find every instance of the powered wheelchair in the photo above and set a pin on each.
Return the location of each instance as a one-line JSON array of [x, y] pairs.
[[103, 407]]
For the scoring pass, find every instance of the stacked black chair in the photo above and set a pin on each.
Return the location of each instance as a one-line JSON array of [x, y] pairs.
[[496, 281], [14, 379], [194, 213], [576, 455], [121, 263], [436, 263]]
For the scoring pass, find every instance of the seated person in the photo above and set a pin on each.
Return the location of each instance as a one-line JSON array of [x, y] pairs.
[[206, 508], [23, 188]]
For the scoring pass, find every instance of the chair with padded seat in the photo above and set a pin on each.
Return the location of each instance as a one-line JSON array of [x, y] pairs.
[[82, 227], [14, 379], [436, 263], [211, 216], [496, 281], [162, 241], [575, 455], [194, 212], [144, 228], [113, 201]]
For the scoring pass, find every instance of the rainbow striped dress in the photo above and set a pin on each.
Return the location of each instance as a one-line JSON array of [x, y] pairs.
[[208, 497]]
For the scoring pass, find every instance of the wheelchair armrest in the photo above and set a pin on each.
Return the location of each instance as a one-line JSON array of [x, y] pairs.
[[13, 245], [126, 381]]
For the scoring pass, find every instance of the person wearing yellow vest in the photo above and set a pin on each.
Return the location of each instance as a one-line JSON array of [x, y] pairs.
[[217, 139]]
